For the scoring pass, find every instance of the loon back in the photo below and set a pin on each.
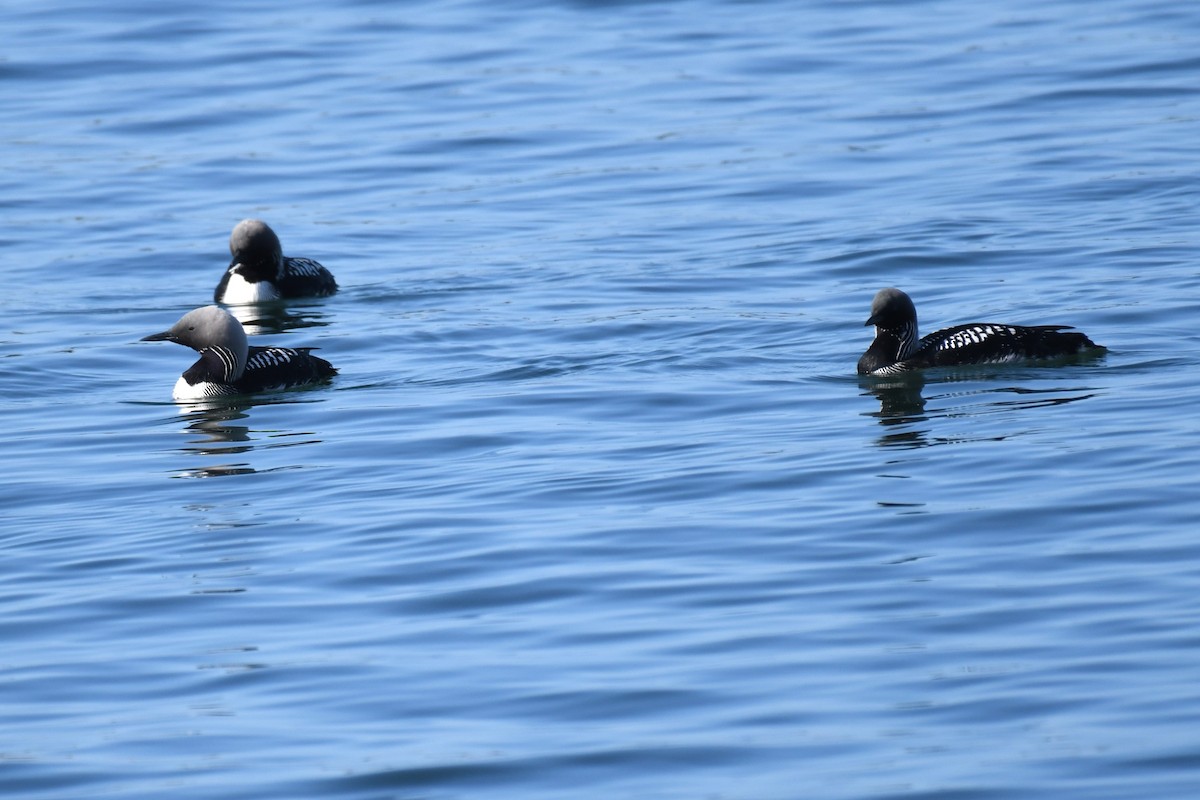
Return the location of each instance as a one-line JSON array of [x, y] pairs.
[[270, 368], [991, 343], [303, 277]]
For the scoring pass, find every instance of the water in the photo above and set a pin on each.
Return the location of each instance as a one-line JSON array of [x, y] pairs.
[[597, 506]]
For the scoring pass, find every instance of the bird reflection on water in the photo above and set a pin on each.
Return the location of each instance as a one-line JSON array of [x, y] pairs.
[[219, 436], [900, 397], [277, 317], [215, 430], [903, 403]]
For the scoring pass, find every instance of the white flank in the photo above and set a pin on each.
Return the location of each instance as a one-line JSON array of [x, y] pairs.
[[185, 392]]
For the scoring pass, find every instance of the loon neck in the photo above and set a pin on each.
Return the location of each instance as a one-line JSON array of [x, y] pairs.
[[226, 364], [899, 342], [890, 346], [255, 268], [218, 366]]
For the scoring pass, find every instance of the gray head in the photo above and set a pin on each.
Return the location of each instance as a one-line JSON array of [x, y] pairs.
[[892, 309], [256, 251], [209, 328]]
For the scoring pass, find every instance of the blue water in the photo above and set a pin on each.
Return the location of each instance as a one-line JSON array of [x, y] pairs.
[[597, 506]]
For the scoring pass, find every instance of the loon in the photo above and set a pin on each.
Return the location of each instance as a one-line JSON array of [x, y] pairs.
[[897, 349], [260, 272], [229, 366]]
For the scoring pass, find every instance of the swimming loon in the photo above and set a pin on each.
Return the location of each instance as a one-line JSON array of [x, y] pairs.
[[260, 272], [896, 347], [229, 366]]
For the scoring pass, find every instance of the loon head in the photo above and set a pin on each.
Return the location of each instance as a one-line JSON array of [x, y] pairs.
[[256, 251], [892, 310], [895, 319], [210, 329]]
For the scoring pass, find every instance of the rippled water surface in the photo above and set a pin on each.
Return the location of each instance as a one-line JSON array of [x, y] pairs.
[[597, 506]]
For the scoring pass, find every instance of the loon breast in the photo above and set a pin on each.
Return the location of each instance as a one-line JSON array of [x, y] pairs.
[[239, 291], [201, 390]]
